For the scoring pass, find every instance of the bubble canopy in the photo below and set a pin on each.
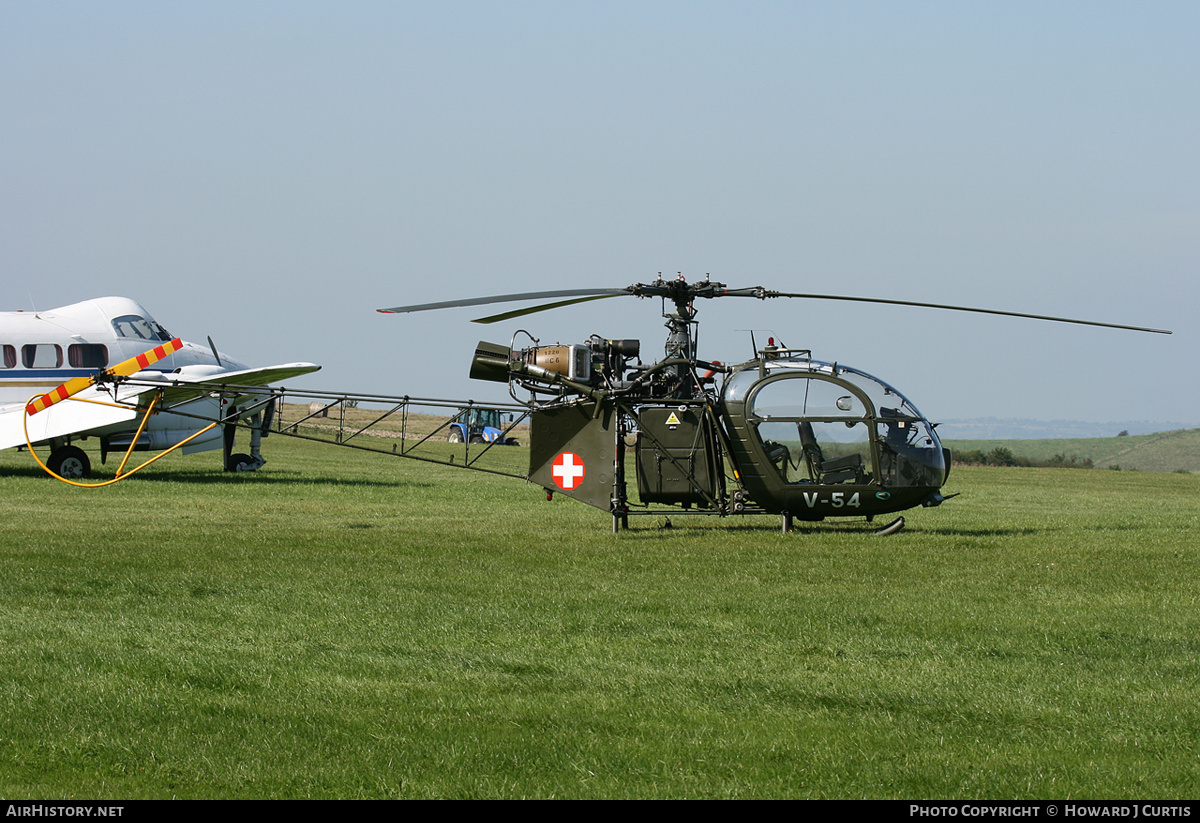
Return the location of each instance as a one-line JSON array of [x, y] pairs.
[[826, 424], [873, 394]]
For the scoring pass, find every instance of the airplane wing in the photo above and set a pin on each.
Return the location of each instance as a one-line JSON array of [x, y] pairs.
[[68, 418], [189, 384], [78, 416], [263, 376]]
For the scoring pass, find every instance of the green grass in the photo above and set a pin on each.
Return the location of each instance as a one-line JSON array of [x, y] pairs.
[[350, 625]]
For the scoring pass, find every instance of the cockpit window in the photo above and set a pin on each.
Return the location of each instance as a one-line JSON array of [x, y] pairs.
[[814, 430], [909, 452], [825, 453], [807, 398], [850, 428], [139, 328]]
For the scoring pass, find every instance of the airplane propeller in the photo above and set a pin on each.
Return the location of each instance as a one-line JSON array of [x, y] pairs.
[[682, 293], [213, 346], [122, 369]]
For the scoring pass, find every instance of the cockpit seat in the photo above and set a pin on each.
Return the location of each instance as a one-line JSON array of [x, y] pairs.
[[778, 454], [846, 469]]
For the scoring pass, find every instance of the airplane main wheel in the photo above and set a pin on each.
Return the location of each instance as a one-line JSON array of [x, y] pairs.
[[236, 461], [70, 462]]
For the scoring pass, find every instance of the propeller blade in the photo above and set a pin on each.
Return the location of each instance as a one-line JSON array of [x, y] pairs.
[[503, 298], [962, 308], [123, 369], [213, 346]]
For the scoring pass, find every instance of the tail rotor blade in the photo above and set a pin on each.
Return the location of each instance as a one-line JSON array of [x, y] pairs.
[[123, 369]]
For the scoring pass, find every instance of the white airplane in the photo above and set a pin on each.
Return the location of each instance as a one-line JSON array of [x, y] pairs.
[[49, 354]]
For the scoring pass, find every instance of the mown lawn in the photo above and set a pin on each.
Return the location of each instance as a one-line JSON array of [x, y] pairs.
[[350, 625]]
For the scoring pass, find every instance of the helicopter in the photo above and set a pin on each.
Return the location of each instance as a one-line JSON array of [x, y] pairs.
[[781, 434]]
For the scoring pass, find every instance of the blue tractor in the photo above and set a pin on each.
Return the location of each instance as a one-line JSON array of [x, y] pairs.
[[476, 425]]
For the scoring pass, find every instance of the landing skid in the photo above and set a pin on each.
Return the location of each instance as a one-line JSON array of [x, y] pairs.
[[891, 528]]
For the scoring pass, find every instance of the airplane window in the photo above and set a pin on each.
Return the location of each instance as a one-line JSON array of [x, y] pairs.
[[41, 356], [87, 355], [10, 357], [135, 326]]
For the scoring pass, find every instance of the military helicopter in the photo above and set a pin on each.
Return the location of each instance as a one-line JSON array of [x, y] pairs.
[[783, 434]]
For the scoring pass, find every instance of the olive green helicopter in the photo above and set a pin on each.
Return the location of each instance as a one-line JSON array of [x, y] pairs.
[[781, 434]]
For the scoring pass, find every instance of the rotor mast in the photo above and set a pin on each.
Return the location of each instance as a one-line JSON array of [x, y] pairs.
[[681, 342]]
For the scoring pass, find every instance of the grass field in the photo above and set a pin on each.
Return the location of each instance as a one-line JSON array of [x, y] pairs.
[[1171, 451], [351, 625]]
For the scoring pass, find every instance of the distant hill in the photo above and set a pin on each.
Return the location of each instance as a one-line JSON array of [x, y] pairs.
[[992, 428], [1168, 451]]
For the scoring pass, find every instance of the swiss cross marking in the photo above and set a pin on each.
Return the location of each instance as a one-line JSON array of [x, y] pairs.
[[567, 470]]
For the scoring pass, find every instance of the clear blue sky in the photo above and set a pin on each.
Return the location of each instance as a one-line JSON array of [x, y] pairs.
[[271, 173]]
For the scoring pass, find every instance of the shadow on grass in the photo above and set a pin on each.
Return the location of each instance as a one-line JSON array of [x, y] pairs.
[[702, 526], [1023, 531], [867, 530], [201, 478]]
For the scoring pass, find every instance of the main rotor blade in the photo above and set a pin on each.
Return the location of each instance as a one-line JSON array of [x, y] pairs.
[[963, 308], [123, 369], [504, 298], [680, 291], [508, 315], [73, 386]]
